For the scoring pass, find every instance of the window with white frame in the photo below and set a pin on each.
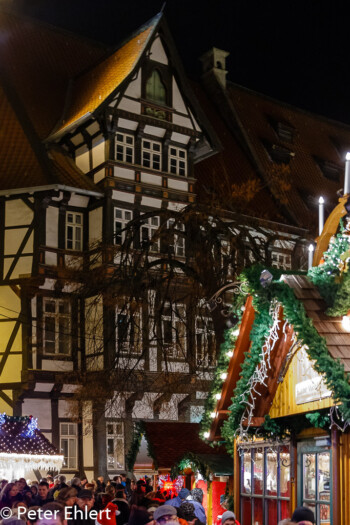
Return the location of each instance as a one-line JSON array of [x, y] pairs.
[[149, 233], [121, 219], [178, 239], [205, 342], [174, 330], [129, 332], [115, 445], [151, 154], [74, 231], [124, 147], [56, 326], [177, 160], [69, 444], [281, 260]]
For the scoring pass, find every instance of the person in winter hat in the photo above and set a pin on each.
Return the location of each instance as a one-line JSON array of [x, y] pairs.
[[196, 498], [176, 502], [107, 516], [303, 514], [228, 518]]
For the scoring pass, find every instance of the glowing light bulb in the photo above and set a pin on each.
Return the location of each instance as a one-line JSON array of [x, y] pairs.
[[223, 376], [236, 332], [206, 435], [218, 396], [229, 353], [347, 156], [346, 323], [321, 200], [212, 415]]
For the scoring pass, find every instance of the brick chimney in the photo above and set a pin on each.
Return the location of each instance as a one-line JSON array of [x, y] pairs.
[[214, 63]]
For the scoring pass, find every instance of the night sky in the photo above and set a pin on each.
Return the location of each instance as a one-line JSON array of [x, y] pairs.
[[293, 50]]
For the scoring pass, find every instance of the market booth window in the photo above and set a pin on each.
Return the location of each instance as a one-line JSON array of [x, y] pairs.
[[265, 484]]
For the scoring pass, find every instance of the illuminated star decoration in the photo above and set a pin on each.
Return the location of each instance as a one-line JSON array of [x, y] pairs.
[[32, 427]]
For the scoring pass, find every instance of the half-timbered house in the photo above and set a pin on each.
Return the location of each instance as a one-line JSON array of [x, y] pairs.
[[92, 139]]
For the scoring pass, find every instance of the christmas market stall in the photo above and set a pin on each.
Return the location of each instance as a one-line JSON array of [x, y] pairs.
[[281, 396], [180, 458], [24, 450]]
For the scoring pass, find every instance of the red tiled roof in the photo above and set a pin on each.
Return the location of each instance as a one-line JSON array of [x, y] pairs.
[[39, 60], [170, 442], [246, 122]]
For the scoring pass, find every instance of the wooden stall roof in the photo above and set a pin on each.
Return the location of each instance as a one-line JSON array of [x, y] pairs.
[[331, 328], [170, 442]]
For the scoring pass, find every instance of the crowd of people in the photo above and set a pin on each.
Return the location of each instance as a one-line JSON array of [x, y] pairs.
[[120, 501]]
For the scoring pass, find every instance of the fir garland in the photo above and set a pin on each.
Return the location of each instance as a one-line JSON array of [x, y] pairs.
[[316, 346], [191, 460], [139, 431]]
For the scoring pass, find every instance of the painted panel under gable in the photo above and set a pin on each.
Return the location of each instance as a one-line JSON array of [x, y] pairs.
[[66, 409], [284, 402], [99, 175], [157, 52], [134, 87], [176, 206], [95, 226], [41, 408], [17, 213], [52, 227], [178, 101], [196, 125], [130, 105], [4, 407], [82, 158], [98, 152]]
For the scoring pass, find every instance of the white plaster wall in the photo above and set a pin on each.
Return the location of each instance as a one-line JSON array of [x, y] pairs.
[[178, 102], [82, 159], [144, 408], [177, 184], [182, 121], [150, 201], [178, 137], [95, 225], [81, 201], [153, 130], [124, 173], [67, 408], [127, 124], [123, 196], [57, 366], [52, 227], [40, 408], [130, 105], [157, 52], [134, 87], [156, 180], [175, 367], [17, 212], [98, 152]]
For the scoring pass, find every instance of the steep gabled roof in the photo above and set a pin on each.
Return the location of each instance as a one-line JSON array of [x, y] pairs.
[[258, 134], [90, 89], [24, 160], [38, 60]]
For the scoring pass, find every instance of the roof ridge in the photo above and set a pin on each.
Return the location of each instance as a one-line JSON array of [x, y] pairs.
[[10, 10], [290, 106]]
